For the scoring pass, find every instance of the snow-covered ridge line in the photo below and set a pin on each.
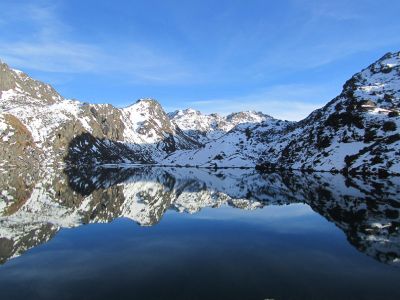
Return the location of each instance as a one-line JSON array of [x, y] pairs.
[[358, 131], [205, 127]]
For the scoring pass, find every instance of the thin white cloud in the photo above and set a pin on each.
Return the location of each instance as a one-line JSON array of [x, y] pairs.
[[324, 52], [318, 35], [49, 49], [65, 57]]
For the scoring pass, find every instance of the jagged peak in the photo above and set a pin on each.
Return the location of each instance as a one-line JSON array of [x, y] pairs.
[[144, 104], [192, 111], [150, 101], [249, 114], [6, 70], [13, 79], [8, 77], [379, 82], [394, 55], [385, 65], [183, 112]]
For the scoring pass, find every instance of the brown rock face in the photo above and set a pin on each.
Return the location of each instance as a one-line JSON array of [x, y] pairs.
[[105, 120], [16, 144], [12, 79]]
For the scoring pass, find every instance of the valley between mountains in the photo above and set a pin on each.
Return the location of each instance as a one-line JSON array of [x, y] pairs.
[[356, 132]]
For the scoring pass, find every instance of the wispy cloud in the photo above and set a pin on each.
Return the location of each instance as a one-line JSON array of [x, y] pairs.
[[301, 42], [49, 56], [50, 49], [321, 54], [189, 49], [318, 34]]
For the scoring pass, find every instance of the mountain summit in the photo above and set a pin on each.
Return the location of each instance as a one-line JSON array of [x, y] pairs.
[[205, 128], [14, 82]]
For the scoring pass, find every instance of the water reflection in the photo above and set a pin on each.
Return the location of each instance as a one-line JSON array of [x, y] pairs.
[[35, 207]]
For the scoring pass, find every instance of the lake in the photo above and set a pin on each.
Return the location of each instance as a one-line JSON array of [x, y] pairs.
[[186, 233]]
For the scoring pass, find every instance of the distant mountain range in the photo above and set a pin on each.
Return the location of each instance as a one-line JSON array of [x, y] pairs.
[[356, 132]]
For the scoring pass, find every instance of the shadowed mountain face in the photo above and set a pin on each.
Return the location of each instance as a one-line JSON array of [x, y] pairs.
[[365, 209]]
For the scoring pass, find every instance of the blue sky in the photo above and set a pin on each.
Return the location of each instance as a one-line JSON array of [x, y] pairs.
[[284, 58]]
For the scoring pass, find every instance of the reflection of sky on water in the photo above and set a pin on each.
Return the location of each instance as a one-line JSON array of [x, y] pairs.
[[300, 216], [280, 251]]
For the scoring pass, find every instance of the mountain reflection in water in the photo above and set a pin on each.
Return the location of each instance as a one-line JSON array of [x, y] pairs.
[[34, 210]]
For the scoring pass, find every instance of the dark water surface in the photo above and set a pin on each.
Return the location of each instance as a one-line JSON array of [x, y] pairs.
[[164, 233]]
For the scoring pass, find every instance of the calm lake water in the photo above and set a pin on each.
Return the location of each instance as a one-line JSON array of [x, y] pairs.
[[181, 233]]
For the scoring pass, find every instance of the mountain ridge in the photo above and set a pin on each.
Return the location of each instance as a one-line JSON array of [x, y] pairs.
[[207, 127], [357, 131]]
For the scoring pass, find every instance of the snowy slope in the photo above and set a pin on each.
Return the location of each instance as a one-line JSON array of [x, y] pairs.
[[358, 131], [237, 148]]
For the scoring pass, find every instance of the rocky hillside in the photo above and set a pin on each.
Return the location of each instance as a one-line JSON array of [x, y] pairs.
[[358, 131]]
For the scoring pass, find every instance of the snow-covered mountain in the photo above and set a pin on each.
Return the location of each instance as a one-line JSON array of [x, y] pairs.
[[358, 131], [205, 128], [39, 125]]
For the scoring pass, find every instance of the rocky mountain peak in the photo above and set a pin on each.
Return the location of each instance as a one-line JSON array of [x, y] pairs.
[[206, 127], [150, 108], [149, 102], [184, 112], [378, 83], [14, 84], [148, 119], [191, 111], [247, 117], [7, 77]]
